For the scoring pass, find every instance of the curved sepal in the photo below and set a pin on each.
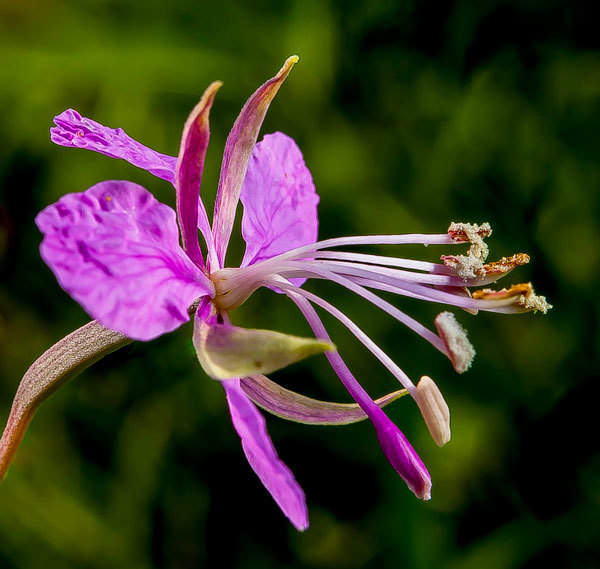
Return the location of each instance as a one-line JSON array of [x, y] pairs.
[[292, 406], [227, 351], [62, 362], [190, 164]]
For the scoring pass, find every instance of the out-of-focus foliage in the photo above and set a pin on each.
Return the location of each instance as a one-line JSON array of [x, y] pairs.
[[411, 115]]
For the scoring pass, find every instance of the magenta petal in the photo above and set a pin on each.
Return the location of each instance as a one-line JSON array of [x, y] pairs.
[[240, 142], [280, 201], [190, 164], [260, 452], [114, 248], [75, 131]]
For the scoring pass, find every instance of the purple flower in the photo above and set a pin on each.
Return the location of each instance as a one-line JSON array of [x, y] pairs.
[[116, 250]]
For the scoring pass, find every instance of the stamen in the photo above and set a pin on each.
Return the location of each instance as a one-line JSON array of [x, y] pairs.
[[434, 409], [421, 292], [470, 233], [515, 290], [394, 444], [393, 311], [424, 266], [465, 266], [521, 297], [506, 264], [363, 270], [534, 302], [358, 333], [455, 338], [409, 239], [470, 267], [459, 291]]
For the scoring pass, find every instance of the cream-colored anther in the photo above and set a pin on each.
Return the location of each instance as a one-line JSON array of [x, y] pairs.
[[455, 339], [434, 409]]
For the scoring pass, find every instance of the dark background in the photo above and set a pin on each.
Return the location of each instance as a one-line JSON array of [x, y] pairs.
[[410, 115]]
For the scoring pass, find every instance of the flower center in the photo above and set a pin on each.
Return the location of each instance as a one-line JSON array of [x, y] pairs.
[[233, 286]]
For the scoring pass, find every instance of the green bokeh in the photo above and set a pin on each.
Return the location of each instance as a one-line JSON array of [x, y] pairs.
[[410, 115]]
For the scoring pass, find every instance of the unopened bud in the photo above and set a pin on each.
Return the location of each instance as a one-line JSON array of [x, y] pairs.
[[225, 351], [434, 409]]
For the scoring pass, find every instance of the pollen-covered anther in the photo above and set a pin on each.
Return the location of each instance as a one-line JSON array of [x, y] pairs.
[[516, 290], [472, 267], [468, 266], [465, 266], [534, 302], [434, 409], [506, 264], [454, 336], [525, 300], [464, 232]]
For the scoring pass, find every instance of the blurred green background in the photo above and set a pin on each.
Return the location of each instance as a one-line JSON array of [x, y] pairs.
[[410, 114]]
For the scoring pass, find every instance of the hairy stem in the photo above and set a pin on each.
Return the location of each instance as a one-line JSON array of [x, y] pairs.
[[59, 364]]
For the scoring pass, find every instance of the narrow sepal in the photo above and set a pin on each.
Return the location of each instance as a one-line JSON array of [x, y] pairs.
[[292, 406], [190, 164], [227, 351], [240, 142], [62, 362]]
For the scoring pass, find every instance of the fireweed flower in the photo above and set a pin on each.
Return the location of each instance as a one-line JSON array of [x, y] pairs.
[[116, 251]]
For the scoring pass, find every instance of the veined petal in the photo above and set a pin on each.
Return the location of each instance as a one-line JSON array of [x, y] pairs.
[[279, 199], [190, 163], [227, 351], [260, 452], [114, 248], [240, 142], [75, 131], [292, 406]]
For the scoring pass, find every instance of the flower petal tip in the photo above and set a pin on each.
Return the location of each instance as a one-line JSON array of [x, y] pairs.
[[427, 495], [291, 61], [301, 525]]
